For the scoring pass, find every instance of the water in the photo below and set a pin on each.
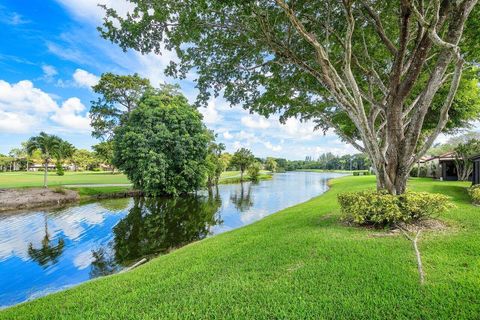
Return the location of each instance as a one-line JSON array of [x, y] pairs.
[[46, 251]]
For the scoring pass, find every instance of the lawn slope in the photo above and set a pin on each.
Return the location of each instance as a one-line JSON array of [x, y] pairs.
[[299, 263]]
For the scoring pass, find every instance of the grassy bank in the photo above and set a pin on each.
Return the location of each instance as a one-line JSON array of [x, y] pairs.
[[299, 263]]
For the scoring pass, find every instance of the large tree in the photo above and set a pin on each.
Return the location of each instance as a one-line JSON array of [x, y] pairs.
[[162, 145], [382, 74]]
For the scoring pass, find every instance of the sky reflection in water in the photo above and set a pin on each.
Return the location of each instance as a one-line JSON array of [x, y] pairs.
[[45, 251]]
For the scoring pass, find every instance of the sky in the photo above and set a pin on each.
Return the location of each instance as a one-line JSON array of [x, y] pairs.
[[51, 54]]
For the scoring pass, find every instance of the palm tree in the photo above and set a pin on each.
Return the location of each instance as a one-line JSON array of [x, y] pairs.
[[64, 151], [49, 147]]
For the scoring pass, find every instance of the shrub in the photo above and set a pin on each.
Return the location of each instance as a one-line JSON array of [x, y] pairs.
[[59, 169], [356, 173], [366, 173], [423, 172], [383, 209], [474, 193], [414, 172]]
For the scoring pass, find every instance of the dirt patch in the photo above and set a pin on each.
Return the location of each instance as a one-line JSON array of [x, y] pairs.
[[18, 199]]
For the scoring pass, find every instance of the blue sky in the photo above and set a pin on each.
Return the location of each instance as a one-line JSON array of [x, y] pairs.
[[51, 54]]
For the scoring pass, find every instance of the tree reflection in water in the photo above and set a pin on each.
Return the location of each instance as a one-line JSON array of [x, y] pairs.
[[155, 226], [242, 198], [48, 253]]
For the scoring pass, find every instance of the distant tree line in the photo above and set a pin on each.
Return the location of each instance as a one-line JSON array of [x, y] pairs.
[[326, 161]]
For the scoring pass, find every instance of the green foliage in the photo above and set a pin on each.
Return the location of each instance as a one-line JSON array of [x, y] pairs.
[[104, 152], [414, 172], [162, 145], [474, 193], [271, 164], [215, 164], [422, 172], [380, 208], [119, 95], [463, 153], [356, 173], [253, 171], [59, 169], [242, 159]]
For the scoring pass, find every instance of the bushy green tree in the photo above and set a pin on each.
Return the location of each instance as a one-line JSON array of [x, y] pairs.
[[253, 171], [104, 152], [271, 164], [215, 164], [242, 159], [162, 145]]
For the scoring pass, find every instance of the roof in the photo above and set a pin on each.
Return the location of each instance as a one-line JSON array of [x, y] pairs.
[[447, 156]]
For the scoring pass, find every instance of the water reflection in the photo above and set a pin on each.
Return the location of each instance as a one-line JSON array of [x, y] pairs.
[[44, 251], [155, 226], [48, 253], [242, 198]]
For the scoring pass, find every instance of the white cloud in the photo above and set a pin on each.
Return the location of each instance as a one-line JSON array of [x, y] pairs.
[[210, 113], [227, 135], [85, 79], [89, 9], [69, 116], [11, 122], [49, 72], [272, 147], [23, 96], [24, 108], [255, 122]]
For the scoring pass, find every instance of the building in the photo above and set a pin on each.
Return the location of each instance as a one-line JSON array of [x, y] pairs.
[[476, 169], [448, 167]]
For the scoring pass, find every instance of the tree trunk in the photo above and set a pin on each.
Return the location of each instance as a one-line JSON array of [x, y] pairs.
[[241, 174], [392, 176], [45, 175]]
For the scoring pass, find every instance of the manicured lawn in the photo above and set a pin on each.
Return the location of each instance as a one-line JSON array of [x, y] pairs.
[[299, 263], [35, 179]]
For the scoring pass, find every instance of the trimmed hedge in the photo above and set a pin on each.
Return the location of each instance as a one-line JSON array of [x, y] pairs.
[[379, 208]]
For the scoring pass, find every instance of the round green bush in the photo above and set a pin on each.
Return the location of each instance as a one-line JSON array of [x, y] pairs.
[[379, 208]]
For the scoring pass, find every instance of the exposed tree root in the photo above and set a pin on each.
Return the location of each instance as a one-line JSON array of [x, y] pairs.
[[414, 240]]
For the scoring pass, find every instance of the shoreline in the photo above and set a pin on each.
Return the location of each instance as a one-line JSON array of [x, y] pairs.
[[14, 200]]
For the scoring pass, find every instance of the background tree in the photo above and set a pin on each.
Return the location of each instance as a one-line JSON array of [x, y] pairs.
[[104, 152], [83, 159], [64, 151], [48, 145], [19, 155], [242, 159], [463, 153], [253, 170], [215, 164], [271, 164], [162, 145], [383, 74], [120, 95]]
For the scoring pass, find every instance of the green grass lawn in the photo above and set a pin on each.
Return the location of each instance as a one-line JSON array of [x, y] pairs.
[[335, 171], [35, 179], [299, 263]]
